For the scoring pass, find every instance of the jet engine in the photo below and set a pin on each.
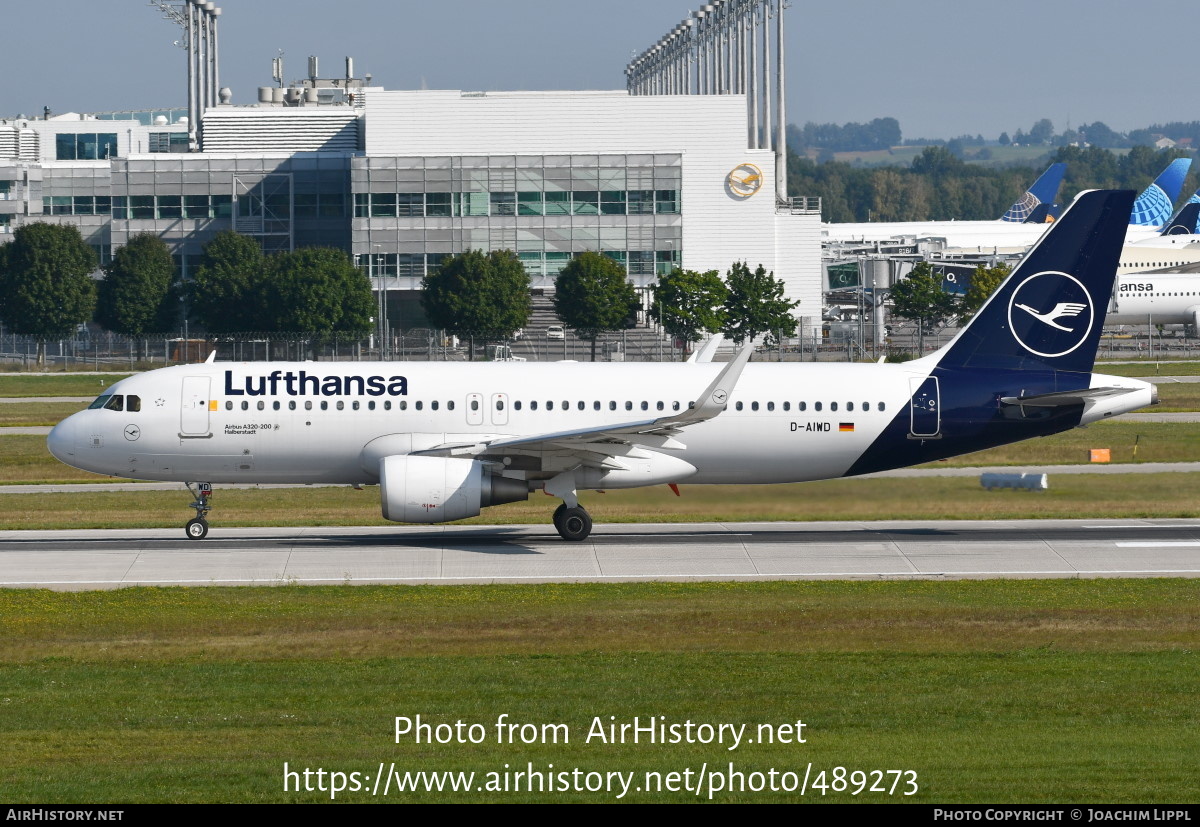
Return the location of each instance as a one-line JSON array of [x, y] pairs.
[[440, 490]]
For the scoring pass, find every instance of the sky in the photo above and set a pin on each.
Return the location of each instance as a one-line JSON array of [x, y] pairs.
[[943, 68]]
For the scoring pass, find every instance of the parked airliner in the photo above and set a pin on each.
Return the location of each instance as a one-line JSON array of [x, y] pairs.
[[443, 441], [1150, 212]]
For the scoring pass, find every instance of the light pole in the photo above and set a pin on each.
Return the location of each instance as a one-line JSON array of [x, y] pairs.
[[381, 302]]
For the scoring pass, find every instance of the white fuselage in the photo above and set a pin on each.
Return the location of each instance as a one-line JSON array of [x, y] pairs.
[[1156, 298], [783, 423], [788, 427]]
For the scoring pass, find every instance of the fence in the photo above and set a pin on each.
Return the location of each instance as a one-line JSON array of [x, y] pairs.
[[105, 351]]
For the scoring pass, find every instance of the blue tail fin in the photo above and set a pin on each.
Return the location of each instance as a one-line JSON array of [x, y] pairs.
[[1040, 215], [1184, 221], [1153, 207], [1043, 191], [1048, 313]]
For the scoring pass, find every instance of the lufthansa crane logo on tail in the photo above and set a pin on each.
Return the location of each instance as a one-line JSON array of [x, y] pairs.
[[1060, 311], [1050, 314]]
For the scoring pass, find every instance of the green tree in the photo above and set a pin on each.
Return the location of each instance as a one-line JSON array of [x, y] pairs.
[[1041, 132], [477, 295], [687, 303], [984, 282], [46, 289], [756, 304], [921, 299], [221, 294], [136, 288], [593, 295], [314, 290]]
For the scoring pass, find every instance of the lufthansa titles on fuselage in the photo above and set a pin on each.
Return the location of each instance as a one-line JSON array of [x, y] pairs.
[[305, 384], [1136, 288]]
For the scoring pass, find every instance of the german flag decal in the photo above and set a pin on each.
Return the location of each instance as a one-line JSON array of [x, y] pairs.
[[846, 427]]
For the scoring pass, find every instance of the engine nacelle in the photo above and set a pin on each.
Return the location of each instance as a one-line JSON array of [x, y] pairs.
[[440, 490]]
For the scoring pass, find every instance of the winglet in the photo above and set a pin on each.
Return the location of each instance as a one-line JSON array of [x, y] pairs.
[[705, 353], [716, 395], [212, 357]]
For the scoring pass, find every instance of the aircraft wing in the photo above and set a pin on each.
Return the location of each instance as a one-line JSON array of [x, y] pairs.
[[619, 438]]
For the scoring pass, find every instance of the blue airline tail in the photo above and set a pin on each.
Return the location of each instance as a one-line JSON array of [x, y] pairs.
[[1043, 191], [1184, 222], [1048, 313], [1023, 366], [1153, 207]]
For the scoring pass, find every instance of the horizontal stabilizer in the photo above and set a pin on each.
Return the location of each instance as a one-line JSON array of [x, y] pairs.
[[1064, 398]]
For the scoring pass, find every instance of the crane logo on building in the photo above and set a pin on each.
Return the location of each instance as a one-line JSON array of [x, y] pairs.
[[745, 180]]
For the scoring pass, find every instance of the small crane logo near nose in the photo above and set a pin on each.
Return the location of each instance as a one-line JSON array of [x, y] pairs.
[[132, 432]]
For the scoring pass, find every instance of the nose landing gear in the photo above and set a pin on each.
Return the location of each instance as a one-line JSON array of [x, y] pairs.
[[197, 528]]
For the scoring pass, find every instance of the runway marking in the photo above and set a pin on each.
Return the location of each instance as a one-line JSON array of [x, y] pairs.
[[1180, 525], [583, 578], [1160, 544]]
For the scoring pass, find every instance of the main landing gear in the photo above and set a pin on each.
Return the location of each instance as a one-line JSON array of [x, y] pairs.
[[197, 528], [572, 523]]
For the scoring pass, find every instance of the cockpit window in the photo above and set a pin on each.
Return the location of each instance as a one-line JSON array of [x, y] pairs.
[[115, 402], [133, 403]]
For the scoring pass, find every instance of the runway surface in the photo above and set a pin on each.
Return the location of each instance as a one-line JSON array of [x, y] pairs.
[[74, 560]]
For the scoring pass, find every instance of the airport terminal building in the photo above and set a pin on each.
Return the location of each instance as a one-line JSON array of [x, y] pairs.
[[403, 179]]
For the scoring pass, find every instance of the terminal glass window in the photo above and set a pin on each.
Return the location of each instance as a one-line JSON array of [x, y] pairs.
[[612, 202], [305, 205], [585, 203], [529, 203], [141, 206], [437, 203], [504, 203], [666, 202], [168, 142], [557, 203], [85, 146], [641, 202], [410, 204], [383, 204], [170, 206], [57, 204]]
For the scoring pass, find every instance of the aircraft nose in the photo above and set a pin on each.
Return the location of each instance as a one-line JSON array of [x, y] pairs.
[[61, 440]]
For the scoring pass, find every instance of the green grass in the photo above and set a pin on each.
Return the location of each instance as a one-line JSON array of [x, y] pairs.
[[1150, 369], [1156, 442], [1176, 397], [17, 385], [1070, 496], [996, 691], [28, 414], [25, 460]]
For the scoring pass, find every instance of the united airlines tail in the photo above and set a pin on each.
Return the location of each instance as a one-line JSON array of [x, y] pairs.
[[1041, 194], [1153, 207], [1048, 313]]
